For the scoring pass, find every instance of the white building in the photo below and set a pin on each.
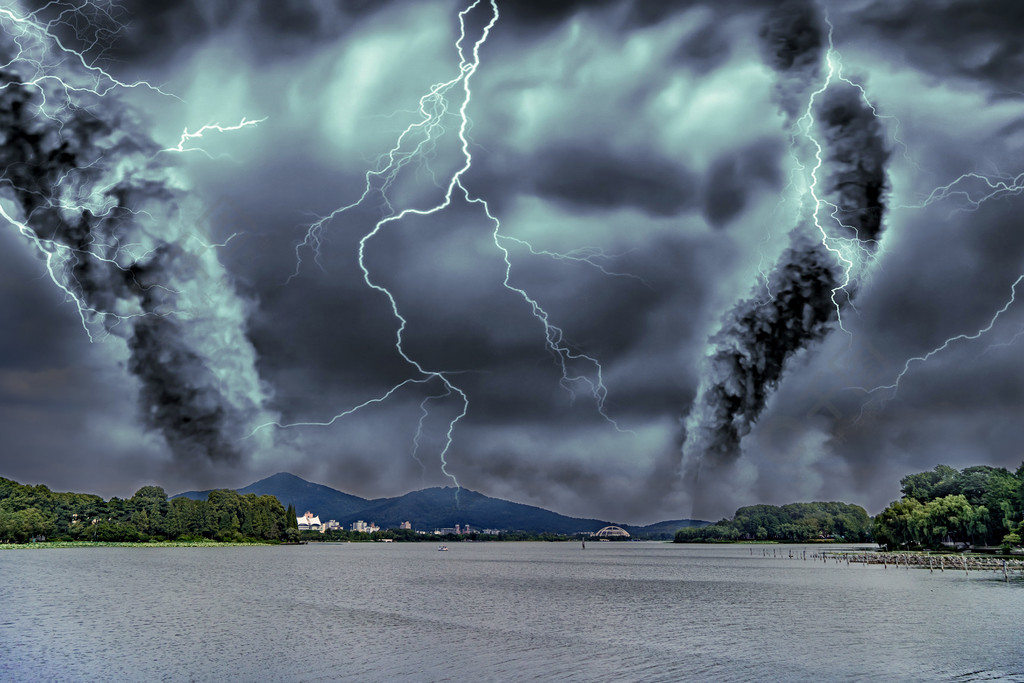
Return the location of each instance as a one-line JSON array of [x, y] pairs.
[[309, 522]]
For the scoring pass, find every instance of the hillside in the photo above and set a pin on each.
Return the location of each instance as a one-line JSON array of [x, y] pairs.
[[322, 500], [444, 507], [432, 508]]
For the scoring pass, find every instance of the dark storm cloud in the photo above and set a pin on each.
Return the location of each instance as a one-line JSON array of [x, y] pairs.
[[650, 137], [81, 183], [801, 298], [792, 37], [149, 31], [856, 159], [595, 179], [753, 346], [973, 39], [793, 43], [539, 15], [732, 179]]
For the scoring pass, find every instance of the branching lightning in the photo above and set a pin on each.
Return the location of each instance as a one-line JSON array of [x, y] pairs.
[[848, 252], [415, 145], [942, 347], [186, 136], [81, 185], [591, 256], [36, 44], [985, 188], [28, 27]]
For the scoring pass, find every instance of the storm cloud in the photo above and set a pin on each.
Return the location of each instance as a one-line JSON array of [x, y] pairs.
[[649, 168]]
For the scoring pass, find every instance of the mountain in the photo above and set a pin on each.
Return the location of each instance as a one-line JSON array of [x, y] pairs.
[[436, 508], [433, 508], [321, 500]]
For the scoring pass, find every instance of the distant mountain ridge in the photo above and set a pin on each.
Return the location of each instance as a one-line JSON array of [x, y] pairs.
[[433, 508]]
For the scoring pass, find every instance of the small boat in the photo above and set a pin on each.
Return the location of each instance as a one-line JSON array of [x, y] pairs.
[[442, 547]]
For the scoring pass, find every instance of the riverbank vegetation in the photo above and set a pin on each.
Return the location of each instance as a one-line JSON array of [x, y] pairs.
[[793, 523], [945, 508], [978, 506], [36, 513]]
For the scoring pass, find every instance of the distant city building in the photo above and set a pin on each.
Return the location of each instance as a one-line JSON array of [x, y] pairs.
[[309, 522], [612, 532], [405, 525], [332, 526], [363, 527]]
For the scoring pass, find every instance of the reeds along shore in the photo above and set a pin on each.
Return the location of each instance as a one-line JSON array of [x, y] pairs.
[[933, 563], [939, 562]]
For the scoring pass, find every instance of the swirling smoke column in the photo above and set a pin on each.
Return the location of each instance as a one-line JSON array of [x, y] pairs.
[[87, 188], [839, 143]]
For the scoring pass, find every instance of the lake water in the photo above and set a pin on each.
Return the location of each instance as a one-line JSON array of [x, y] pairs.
[[497, 611]]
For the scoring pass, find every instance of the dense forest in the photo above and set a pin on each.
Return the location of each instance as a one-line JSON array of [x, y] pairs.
[[980, 506], [796, 522], [36, 512], [977, 506]]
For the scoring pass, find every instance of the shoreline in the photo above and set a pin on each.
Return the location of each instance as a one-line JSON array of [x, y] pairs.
[[53, 545]]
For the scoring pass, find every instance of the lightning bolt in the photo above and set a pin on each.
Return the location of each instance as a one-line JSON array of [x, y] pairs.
[[974, 189], [591, 256], [985, 188], [849, 253], [942, 347], [38, 51], [415, 145], [1013, 340], [101, 82], [186, 136]]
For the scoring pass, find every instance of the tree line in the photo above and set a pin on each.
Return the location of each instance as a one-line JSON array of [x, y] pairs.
[[977, 506], [795, 522], [35, 512]]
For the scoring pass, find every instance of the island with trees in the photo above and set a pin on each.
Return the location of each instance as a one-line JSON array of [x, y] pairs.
[[945, 508], [978, 506], [793, 523]]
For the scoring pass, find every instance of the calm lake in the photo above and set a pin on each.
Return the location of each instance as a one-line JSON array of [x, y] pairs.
[[497, 611]]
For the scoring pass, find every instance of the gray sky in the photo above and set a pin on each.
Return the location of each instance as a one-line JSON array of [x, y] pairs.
[[641, 150]]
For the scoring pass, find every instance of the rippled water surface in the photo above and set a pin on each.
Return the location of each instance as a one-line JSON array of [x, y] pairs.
[[497, 611]]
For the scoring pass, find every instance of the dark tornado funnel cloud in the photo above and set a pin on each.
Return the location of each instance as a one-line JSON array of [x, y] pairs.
[[792, 43], [816, 276], [749, 352], [92, 194], [854, 168]]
